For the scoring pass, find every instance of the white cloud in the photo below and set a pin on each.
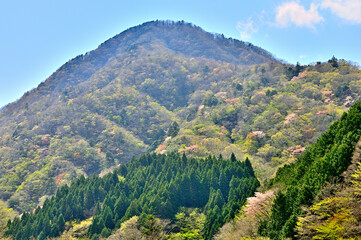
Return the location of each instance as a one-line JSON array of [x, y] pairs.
[[292, 12], [349, 10], [246, 29]]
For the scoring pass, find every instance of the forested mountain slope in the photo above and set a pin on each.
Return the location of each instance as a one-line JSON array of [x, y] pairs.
[[316, 197], [166, 87], [327, 158], [152, 184]]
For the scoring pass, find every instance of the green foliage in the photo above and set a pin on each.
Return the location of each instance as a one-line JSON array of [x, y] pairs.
[[152, 229], [218, 187], [210, 100], [191, 224], [173, 130], [302, 180], [6, 213], [335, 212], [105, 232]]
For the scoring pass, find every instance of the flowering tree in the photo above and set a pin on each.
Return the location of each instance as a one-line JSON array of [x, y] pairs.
[[259, 206]]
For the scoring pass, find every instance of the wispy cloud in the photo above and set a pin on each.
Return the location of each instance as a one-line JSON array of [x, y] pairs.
[[246, 29], [349, 10], [294, 13]]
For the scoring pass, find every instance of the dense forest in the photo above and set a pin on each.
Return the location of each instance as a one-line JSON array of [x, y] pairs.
[[159, 185]]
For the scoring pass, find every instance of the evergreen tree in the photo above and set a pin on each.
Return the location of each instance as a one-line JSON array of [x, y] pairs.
[[233, 157], [61, 223], [105, 232], [213, 222], [97, 226], [88, 198], [107, 217]]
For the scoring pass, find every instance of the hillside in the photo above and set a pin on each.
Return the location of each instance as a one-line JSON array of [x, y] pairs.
[[316, 197], [170, 88]]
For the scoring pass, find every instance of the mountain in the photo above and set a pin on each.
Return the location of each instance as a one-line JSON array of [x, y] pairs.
[[101, 108], [166, 87]]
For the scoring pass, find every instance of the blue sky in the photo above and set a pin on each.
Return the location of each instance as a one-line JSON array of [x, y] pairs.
[[37, 37]]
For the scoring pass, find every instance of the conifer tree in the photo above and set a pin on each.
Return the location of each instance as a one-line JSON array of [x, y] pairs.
[[233, 157], [61, 222], [97, 209], [107, 217]]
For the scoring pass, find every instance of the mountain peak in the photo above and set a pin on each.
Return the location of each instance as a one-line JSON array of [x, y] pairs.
[[192, 40]]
